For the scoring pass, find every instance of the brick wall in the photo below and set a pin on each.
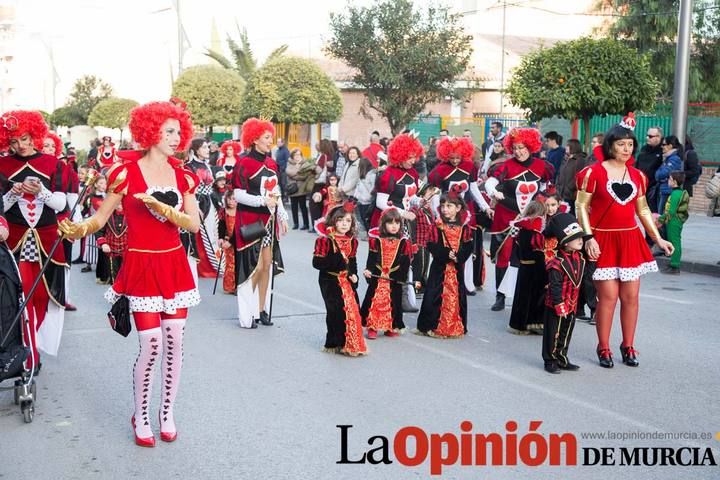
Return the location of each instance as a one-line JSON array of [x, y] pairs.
[[699, 203]]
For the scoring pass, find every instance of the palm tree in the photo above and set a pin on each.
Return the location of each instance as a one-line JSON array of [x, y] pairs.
[[244, 61]]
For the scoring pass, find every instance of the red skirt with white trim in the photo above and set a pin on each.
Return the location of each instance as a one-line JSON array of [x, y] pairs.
[[624, 255]]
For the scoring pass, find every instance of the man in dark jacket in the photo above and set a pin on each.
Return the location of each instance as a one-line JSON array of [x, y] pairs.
[[649, 160], [282, 155], [693, 167], [556, 152]]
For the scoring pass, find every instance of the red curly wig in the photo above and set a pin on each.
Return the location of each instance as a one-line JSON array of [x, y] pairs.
[[403, 147], [57, 141], [254, 128], [147, 120], [16, 123], [530, 137], [237, 148], [448, 147]]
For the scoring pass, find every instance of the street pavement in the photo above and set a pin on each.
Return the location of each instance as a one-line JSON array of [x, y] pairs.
[[264, 403]]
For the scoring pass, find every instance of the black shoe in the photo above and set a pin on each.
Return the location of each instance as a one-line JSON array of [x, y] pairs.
[[295, 227], [552, 367], [605, 358], [407, 308], [472, 294], [499, 303], [312, 230], [671, 270], [592, 320], [265, 319], [304, 227], [570, 367], [254, 324], [629, 356], [581, 315], [78, 261], [86, 269]]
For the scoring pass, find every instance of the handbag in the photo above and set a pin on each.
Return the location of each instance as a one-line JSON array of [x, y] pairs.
[[292, 189], [119, 316], [252, 231]]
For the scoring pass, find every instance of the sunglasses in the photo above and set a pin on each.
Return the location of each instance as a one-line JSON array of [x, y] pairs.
[[652, 136]]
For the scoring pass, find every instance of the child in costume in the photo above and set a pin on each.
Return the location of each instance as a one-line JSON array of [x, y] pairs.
[[386, 271], [527, 308], [422, 227], [444, 307], [676, 214], [227, 230], [335, 257], [565, 273]]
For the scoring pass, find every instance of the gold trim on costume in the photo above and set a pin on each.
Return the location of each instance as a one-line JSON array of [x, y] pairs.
[[154, 251], [121, 177], [643, 211]]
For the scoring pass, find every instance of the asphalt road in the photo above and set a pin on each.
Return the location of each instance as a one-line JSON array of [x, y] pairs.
[[265, 403]]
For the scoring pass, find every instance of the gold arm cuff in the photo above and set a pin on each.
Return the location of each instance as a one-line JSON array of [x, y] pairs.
[[582, 210], [646, 218]]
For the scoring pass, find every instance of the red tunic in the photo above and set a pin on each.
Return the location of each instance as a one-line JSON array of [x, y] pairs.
[[624, 254], [519, 182], [155, 274]]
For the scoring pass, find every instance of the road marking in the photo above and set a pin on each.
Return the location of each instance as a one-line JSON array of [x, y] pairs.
[[547, 391], [665, 299], [300, 302]]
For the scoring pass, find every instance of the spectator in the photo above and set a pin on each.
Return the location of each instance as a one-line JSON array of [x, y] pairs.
[[575, 160], [323, 167], [672, 162], [92, 154], [301, 178], [349, 178], [693, 167], [478, 156], [596, 141], [341, 158], [555, 153], [373, 149], [364, 192], [498, 155], [282, 155], [214, 153], [431, 152], [496, 135], [648, 161]]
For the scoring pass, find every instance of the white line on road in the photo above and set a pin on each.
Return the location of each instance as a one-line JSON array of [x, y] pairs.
[[665, 299]]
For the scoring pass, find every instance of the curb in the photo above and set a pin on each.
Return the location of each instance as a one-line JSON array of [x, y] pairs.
[[692, 267]]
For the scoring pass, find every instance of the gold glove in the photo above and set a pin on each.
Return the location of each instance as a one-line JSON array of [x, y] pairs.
[[582, 210], [75, 231], [180, 219], [643, 211]]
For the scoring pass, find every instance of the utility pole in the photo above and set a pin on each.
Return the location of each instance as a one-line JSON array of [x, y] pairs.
[[682, 71], [502, 60], [181, 39]]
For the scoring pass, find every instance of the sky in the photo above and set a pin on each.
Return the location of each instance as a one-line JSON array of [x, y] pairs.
[[132, 44]]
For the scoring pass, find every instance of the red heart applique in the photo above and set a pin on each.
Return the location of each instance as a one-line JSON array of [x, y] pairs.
[[532, 187], [411, 190], [31, 206], [270, 184]]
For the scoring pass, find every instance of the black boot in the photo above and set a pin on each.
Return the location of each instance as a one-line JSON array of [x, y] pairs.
[[499, 304], [265, 319], [552, 367]]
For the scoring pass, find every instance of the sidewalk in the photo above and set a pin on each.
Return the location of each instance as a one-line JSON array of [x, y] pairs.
[[700, 246]]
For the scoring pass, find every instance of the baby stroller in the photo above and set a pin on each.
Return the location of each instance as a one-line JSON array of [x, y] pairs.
[[13, 351]]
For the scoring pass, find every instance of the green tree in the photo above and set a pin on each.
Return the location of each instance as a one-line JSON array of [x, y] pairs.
[[651, 27], [67, 116], [292, 90], [213, 94], [582, 78], [112, 113], [243, 60], [87, 92], [404, 57]]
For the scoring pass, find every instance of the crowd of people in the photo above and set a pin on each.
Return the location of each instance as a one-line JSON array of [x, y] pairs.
[[153, 220]]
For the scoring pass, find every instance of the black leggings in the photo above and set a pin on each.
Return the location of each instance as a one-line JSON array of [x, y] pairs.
[[299, 201]]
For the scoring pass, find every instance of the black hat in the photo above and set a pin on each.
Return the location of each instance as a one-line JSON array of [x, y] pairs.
[[565, 228]]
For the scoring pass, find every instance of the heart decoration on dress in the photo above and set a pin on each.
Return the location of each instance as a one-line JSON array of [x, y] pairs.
[[411, 190], [270, 184], [622, 192], [167, 195]]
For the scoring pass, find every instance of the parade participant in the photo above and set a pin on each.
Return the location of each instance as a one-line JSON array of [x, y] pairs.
[[335, 257], [66, 182], [220, 188], [397, 185], [513, 184], [230, 154], [529, 247], [456, 167], [330, 196], [102, 268], [158, 196], [206, 240], [112, 240], [564, 271], [610, 194], [257, 192], [106, 154], [444, 307], [422, 228], [227, 234], [386, 270], [30, 202]]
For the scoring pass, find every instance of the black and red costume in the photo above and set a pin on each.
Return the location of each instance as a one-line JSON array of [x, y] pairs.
[[335, 257], [33, 231], [528, 299], [444, 307], [114, 235], [206, 240], [397, 187], [106, 156], [388, 258]]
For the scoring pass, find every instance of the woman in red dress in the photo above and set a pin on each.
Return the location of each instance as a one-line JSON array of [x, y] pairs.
[[610, 194], [158, 196]]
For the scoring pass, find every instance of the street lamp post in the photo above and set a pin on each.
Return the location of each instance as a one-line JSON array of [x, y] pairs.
[[682, 71]]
